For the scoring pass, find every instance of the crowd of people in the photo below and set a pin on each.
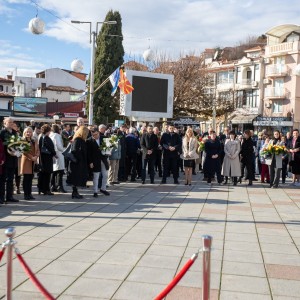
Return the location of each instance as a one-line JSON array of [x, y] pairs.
[[78, 154]]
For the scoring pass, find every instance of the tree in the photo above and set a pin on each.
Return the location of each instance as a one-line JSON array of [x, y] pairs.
[[109, 56]]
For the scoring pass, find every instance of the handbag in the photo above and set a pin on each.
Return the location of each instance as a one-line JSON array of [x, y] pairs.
[[44, 149], [37, 168], [69, 155]]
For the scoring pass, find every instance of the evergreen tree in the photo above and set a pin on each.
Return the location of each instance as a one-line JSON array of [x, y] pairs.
[[109, 55]]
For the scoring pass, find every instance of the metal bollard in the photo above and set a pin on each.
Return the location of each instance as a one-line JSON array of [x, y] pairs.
[[10, 233], [206, 249]]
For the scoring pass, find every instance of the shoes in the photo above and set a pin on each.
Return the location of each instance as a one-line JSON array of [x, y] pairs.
[[1, 201], [48, 193], [106, 193], [95, 195], [254, 179], [143, 182], [12, 200], [61, 190], [250, 182], [115, 182], [18, 191], [190, 184], [194, 173], [275, 187], [76, 196], [31, 197], [26, 197], [176, 182], [186, 183], [163, 181], [132, 180], [53, 189]]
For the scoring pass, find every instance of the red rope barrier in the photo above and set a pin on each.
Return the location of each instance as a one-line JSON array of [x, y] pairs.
[[2, 253], [176, 279], [33, 278]]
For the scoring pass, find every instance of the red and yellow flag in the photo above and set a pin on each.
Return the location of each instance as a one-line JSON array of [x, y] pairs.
[[124, 84]]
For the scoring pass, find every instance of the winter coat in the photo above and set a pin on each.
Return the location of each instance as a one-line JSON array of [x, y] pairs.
[[132, 144], [247, 151], [95, 156], [46, 160], [173, 140], [26, 163], [11, 161], [211, 165], [189, 149], [2, 155], [231, 163], [59, 162], [78, 172], [149, 142], [277, 159]]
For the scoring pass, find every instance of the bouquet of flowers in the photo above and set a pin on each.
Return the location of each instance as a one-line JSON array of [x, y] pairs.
[[201, 143], [16, 146], [108, 144], [274, 149]]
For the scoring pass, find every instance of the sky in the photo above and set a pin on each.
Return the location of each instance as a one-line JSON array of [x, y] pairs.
[[172, 27]]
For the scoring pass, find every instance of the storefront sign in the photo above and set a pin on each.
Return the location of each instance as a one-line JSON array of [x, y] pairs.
[[186, 121], [71, 115], [273, 121]]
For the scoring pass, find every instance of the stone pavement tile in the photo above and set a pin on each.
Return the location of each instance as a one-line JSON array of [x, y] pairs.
[[285, 298], [283, 272], [108, 271], [43, 231], [281, 259], [44, 252], [138, 238], [283, 287], [93, 287], [54, 284], [151, 275], [22, 295], [240, 246], [271, 225], [18, 277], [241, 237], [157, 261], [181, 292], [275, 239], [243, 269], [213, 211], [227, 295], [94, 245], [35, 264], [137, 291], [194, 279], [67, 268], [280, 232], [126, 258], [55, 242], [279, 248], [198, 264], [29, 240], [165, 250], [242, 256], [171, 241], [104, 236], [81, 255], [245, 284], [262, 205], [129, 247], [239, 209], [239, 227], [73, 234]]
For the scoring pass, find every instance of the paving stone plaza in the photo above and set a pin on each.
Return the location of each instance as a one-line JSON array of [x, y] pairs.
[[131, 244]]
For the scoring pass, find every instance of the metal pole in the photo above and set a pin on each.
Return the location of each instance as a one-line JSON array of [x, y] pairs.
[[206, 248], [10, 233], [91, 103]]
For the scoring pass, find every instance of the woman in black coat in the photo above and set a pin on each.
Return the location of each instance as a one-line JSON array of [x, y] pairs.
[[247, 151], [212, 162], [295, 157], [47, 152], [78, 171]]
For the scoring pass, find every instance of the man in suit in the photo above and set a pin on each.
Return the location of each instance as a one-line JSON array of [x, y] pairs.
[[149, 144], [97, 162], [172, 147]]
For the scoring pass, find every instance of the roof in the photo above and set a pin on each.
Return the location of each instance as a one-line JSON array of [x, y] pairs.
[[278, 33], [62, 89], [2, 94], [254, 49], [5, 80]]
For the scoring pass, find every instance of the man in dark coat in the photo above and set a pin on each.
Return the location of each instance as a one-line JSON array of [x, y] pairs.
[[11, 163], [212, 162], [132, 146], [95, 160], [2, 161], [172, 147], [122, 163], [247, 151], [149, 144]]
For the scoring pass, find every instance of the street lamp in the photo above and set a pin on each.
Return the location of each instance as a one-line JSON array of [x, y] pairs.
[[93, 36]]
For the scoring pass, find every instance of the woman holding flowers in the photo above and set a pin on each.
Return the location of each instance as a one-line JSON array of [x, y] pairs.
[[28, 160], [276, 162]]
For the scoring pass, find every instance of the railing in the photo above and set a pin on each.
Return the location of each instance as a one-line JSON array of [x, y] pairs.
[[276, 92], [244, 84], [280, 48], [276, 70]]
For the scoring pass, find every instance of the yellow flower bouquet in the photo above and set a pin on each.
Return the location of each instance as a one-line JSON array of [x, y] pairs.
[[274, 149]]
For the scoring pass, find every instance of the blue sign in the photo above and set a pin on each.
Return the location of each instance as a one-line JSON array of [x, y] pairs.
[[30, 105]]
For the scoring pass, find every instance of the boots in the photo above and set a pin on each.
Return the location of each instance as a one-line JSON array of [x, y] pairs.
[[234, 180], [75, 193], [53, 187], [60, 188], [226, 180], [250, 182]]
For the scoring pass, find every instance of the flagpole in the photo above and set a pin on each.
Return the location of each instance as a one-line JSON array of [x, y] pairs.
[[101, 85]]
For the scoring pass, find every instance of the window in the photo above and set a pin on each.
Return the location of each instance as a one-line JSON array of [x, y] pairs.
[[6, 89], [277, 106], [252, 98], [256, 72], [1, 88], [225, 77], [238, 75]]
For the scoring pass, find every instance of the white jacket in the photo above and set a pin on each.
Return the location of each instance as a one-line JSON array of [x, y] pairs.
[[59, 162], [189, 149]]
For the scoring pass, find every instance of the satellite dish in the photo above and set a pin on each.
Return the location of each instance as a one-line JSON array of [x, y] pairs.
[[36, 26], [297, 70], [216, 55], [148, 55], [77, 65]]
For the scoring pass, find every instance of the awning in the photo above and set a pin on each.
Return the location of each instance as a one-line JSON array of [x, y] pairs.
[[243, 119]]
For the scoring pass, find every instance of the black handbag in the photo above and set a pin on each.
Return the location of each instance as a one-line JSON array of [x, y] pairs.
[[44, 149], [69, 155]]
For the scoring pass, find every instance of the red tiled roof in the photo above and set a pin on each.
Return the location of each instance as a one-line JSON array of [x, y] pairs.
[[5, 80], [2, 94], [62, 89], [257, 48]]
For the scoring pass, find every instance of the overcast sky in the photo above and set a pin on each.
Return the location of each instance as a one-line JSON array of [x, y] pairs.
[[168, 26]]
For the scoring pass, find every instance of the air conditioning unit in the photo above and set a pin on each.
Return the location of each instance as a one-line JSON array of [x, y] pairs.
[[267, 81], [254, 83], [267, 60]]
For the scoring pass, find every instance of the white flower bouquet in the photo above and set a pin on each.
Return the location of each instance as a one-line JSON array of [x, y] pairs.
[[16, 146]]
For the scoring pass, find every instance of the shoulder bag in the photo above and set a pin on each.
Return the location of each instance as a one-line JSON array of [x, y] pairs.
[[68, 154]]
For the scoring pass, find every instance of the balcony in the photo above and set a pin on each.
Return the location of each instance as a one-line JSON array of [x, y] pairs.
[[244, 84], [281, 49], [276, 93], [225, 85], [277, 70]]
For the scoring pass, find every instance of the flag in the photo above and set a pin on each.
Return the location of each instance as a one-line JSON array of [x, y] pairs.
[[124, 84], [114, 80]]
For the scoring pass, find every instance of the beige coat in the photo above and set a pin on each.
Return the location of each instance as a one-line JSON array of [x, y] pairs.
[[189, 149], [231, 163], [26, 164]]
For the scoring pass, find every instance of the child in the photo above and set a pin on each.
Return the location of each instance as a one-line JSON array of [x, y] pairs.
[[264, 167]]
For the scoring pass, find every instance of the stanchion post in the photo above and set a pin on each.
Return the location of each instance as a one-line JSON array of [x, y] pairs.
[[10, 233], [206, 249]]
